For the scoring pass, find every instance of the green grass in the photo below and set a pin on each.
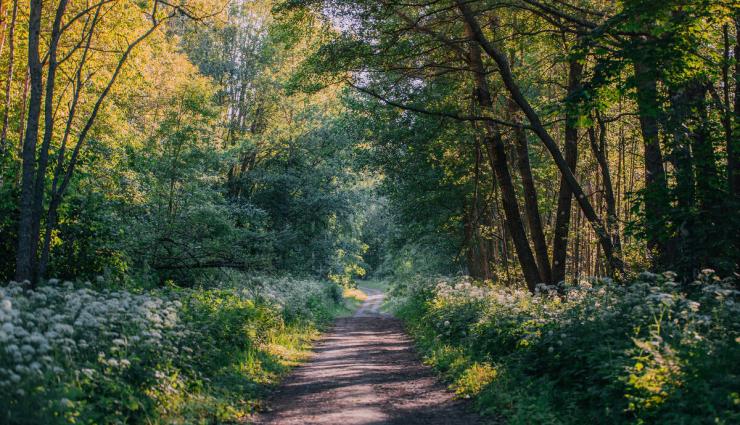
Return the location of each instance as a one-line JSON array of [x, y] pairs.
[[241, 384], [353, 299], [256, 371]]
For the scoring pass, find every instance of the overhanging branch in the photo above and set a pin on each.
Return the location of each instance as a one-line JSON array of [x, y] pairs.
[[442, 114]]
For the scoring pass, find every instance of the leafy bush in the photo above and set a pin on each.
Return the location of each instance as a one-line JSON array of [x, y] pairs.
[[71, 354], [651, 351]]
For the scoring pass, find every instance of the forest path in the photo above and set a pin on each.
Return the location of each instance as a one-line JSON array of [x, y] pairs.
[[365, 371]]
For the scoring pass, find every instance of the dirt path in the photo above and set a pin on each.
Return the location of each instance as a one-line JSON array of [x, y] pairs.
[[365, 372]]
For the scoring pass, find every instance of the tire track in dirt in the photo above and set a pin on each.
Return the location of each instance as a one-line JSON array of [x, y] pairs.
[[365, 371]]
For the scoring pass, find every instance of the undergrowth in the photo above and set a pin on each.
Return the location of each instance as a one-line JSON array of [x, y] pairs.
[[651, 351], [74, 354]]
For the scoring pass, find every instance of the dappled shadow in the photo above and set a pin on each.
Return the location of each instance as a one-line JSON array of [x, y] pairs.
[[365, 371]]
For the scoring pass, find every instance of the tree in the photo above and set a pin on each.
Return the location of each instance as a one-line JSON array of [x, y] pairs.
[[29, 266]]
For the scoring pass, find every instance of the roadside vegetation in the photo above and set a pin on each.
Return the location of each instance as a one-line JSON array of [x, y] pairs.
[[649, 351], [87, 353]]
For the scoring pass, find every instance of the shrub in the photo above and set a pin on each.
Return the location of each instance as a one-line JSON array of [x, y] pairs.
[[651, 351], [71, 354]]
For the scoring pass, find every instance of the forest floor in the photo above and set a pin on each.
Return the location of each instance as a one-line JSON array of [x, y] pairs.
[[365, 371]]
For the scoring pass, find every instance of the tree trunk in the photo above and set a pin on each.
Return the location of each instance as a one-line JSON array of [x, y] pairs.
[[25, 255], [727, 109], [4, 14], [530, 199], [499, 164], [51, 216], [704, 157], [734, 148], [58, 195], [483, 245], [655, 181], [43, 154], [615, 264], [679, 149], [598, 147], [565, 195], [698, 181]]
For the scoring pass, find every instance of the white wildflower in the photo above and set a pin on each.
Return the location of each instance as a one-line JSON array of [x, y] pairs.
[[693, 305]]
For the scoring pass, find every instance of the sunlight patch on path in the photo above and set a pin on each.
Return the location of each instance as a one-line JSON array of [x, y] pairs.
[[373, 303]]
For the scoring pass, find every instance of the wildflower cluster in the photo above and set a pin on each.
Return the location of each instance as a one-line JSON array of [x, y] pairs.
[[44, 329], [75, 354], [609, 351], [301, 297], [60, 339]]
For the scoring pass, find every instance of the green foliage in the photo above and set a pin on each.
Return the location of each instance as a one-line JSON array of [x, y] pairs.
[[77, 355], [676, 45], [644, 352], [232, 148], [8, 228], [424, 168]]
